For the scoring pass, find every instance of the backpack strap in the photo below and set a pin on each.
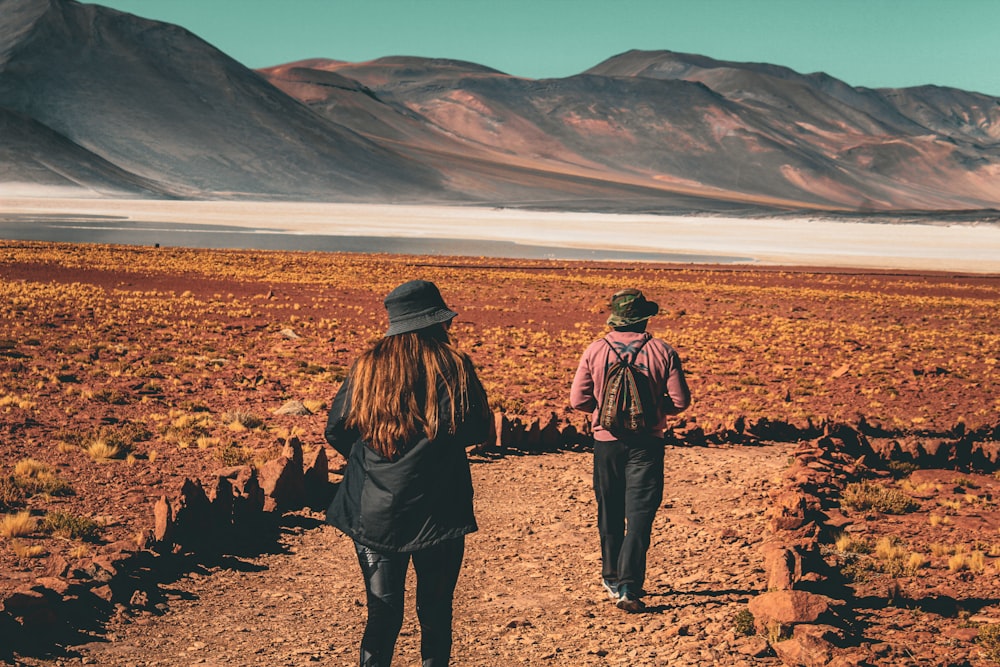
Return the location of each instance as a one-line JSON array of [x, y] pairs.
[[613, 350], [646, 338]]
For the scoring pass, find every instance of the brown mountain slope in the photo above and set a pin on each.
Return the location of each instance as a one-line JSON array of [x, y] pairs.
[[157, 101], [689, 123], [922, 147], [643, 131], [493, 157], [33, 156]]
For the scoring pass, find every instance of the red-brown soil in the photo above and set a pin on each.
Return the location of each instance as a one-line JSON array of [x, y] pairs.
[[161, 348], [529, 592]]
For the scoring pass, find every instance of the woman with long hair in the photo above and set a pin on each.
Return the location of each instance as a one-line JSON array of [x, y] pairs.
[[403, 418]]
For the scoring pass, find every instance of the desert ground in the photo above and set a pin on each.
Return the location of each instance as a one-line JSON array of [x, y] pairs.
[[128, 370]]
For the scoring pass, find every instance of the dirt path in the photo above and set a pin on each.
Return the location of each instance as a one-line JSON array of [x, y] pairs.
[[529, 592]]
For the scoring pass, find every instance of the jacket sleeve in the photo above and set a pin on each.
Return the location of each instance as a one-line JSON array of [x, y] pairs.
[[581, 394], [475, 427], [678, 396], [337, 433]]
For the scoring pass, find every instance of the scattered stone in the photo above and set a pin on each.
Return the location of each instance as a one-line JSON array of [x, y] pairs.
[[783, 566], [788, 608], [163, 521], [293, 407]]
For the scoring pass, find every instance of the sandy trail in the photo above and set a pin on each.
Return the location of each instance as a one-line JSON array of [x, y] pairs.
[[529, 591], [787, 241]]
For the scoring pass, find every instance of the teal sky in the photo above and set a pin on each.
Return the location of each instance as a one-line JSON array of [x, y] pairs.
[[873, 43]]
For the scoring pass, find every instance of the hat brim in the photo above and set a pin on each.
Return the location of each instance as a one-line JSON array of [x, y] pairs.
[[652, 308], [420, 321]]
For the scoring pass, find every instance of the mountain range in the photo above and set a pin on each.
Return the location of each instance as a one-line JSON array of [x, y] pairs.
[[96, 102]]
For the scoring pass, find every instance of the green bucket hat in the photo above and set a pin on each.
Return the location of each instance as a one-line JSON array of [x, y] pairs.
[[630, 306]]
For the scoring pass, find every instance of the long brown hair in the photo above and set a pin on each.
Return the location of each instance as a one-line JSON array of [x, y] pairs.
[[394, 395]]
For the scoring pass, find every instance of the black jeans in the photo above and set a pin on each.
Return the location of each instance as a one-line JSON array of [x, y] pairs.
[[385, 577], [628, 483]]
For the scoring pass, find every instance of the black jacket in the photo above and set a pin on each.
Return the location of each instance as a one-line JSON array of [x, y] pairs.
[[421, 498]]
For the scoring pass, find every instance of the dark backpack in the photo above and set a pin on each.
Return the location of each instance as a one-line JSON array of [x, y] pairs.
[[627, 405]]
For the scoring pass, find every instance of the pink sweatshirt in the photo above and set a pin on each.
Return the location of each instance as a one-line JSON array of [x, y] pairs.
[[656, 359]]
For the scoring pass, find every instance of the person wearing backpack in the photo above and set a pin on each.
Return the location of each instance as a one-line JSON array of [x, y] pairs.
[[631, 382]]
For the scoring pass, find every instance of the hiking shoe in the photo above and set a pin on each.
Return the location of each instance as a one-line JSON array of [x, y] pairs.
[[631, 605], [629, 601], [612, 589]]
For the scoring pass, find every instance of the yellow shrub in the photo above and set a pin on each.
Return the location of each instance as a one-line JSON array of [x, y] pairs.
[[915, 562], [977, 562], [17, 525], [30, 468], [957, 562], [22, 550], [99, 450], [939, 549], [888, 548]]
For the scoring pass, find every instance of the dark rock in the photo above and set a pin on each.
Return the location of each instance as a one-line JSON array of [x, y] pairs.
[[317, 469], [292, 449], [549, 437], [192, 514], [222, 501], [283, 482]]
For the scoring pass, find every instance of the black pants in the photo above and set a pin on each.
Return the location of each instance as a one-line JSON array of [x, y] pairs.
[[628, 483], [385, 577]]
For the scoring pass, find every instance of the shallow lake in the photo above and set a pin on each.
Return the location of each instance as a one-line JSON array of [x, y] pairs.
[[114, 230]]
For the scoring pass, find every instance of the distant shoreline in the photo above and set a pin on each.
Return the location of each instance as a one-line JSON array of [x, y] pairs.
[[943, 245], [119, 231]]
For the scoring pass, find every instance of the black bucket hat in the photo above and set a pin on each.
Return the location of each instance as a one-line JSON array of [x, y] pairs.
[[630, 306], [414, 305]]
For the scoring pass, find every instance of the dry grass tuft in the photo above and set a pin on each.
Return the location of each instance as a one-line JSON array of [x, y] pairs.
[[867, 495], [11, 493], [30, 468], [79, 551], [314, 405], [18, 525], [185, 429], [889, 548], [66, 447], [33, 478], [989, 640], [958, 561], [24, 550], [206, 442], [916, 561], [846, 544], [977, 562], [232, 454], [70, 526], [100, 450], [238, 420], [938, 549]]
